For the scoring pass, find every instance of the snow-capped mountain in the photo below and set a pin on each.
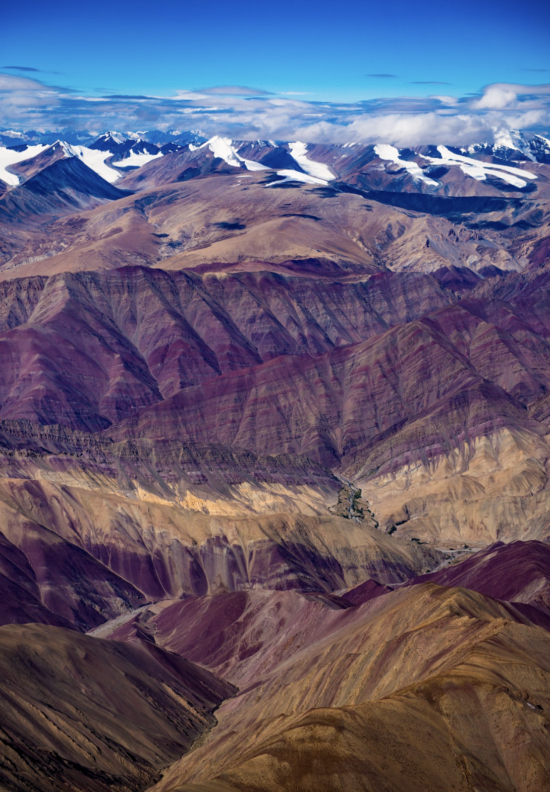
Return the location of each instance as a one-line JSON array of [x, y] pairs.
[[515, 145], [20, 163], [508, 145], [109, 141], [509, 164], [128, 151], [178, 136], [10, 137]]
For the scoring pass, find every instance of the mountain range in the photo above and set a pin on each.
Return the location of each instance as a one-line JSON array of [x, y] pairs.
[[275, 464]]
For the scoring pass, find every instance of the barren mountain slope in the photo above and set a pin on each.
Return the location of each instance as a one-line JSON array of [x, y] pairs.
[[394, 692], [518, 572], [65, 186], [235, 218], [95, 555], [252, 416], [87, 715], [436, 405], [104, 345]]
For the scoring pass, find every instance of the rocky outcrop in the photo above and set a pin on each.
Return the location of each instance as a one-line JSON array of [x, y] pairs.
[[351, 506]]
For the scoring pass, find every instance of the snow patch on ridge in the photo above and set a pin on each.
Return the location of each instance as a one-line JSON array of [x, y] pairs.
[[10, 157], [222, 148], [292, 175], [479, 170], [511, 139], [94, 159], [318, 170], [136, 160], [386, 152], [116, 137]]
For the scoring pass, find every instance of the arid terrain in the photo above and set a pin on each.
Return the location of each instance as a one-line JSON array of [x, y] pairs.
[[274, 467]]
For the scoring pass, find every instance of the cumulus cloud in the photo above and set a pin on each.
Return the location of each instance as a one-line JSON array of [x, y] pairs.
[[496, 98], [403, 129], [249, 113]]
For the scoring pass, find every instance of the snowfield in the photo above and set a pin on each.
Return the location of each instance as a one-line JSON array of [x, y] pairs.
[[90, 157], [480, 170], [95, 160], [222, 148], [9, 157], [318, 170], [135, 160], [387, 152], [292, 175]]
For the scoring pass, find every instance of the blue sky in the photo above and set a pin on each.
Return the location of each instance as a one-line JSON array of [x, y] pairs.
[[304, 52]]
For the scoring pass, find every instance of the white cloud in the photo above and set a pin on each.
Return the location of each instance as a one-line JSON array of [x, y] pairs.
[[242, 112], [402, 129], [10, 82], [496, 98]]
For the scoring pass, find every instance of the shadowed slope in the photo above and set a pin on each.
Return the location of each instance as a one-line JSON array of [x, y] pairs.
[[60, 581], [95, 552], [61, 188], [83, 714], [20, 595]]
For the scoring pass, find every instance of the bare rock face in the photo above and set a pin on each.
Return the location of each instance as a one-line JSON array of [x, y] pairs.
[[151, 418], [93, 529], [83, 714], [352, 506], [108, 345]]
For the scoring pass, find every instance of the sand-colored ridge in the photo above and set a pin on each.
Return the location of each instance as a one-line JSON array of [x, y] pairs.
[[494, 487], [440, 684]]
